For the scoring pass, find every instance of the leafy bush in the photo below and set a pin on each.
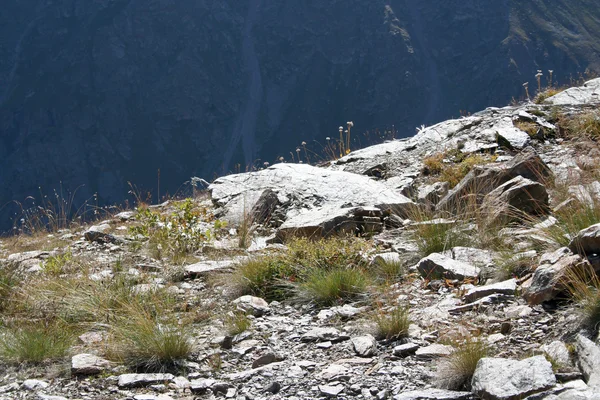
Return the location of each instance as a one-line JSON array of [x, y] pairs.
[[455, 372], [55, 265], [392, 325], [35, 343], [177, 234]]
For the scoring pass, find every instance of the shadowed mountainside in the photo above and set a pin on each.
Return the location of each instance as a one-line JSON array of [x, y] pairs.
[[101, 93]]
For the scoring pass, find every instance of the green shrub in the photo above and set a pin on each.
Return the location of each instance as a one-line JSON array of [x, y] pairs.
[[455, 371], [392, 325], [55, 265], [326, 287], [35, 343]]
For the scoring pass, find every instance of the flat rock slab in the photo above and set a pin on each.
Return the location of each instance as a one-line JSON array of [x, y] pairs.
[[437, 265], [587, 241], [405, 349], [323, 335], [507, 379], [586, 94], [140, 380], [588, 356], [433, 351], [204, 267], [506, 287], [88, 364], [301, 188], [331, 391], [433, 394]]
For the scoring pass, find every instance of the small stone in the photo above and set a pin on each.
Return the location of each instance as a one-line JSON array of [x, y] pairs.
[[323, 334], [273, 387], [331, 391], [558, 352], [253, 305], [88, 364], [34, 384], [364, 346], [437, 265], [433, 394], [141, 380], [433, 351], [405, 349], [334, 371], [266, 359]]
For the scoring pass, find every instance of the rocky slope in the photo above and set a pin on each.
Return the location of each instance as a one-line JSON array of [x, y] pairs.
[[102, 93], [502, 288]]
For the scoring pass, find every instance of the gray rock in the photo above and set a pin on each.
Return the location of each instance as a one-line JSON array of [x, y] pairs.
[[577, 394], [364, 346], [589, 93], [588, 358], [252, 305], [547, 280], [433, 351], [514, 137], [128, 381], [482, 180], [507, 379], [558, 352], [266, 359], [507, 287], [477, 257], [34, 384], [125, 215], [516, 199], [301, 188], [88, 364], [97, 233], [433, 394], [437, 265], [43, 396], [334, 371], [11, 387], [331, 391], [200, 386], [405, 349], [323, 334], [205, 267], [430, 195], [587, 241]]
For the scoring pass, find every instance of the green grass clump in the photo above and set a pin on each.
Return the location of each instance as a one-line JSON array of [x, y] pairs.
[[453, 165], [34, 343], [264, 277], [331, 253], [147, 341], [334, 286], [434, 236], [392, 325], [455, 371], [388, 270]]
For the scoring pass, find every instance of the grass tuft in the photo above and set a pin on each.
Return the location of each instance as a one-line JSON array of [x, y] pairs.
[[329, 287], [392, 325], [236, 322], [264, 277], [34, 343], [455, 371], [584, 286]]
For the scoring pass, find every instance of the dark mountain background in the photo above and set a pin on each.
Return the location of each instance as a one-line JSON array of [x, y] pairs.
[[102, 92]]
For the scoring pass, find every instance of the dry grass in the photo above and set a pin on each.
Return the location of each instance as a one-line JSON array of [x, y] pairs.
[[584, 286], [392, 325], [579, 126], [455, 371]]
